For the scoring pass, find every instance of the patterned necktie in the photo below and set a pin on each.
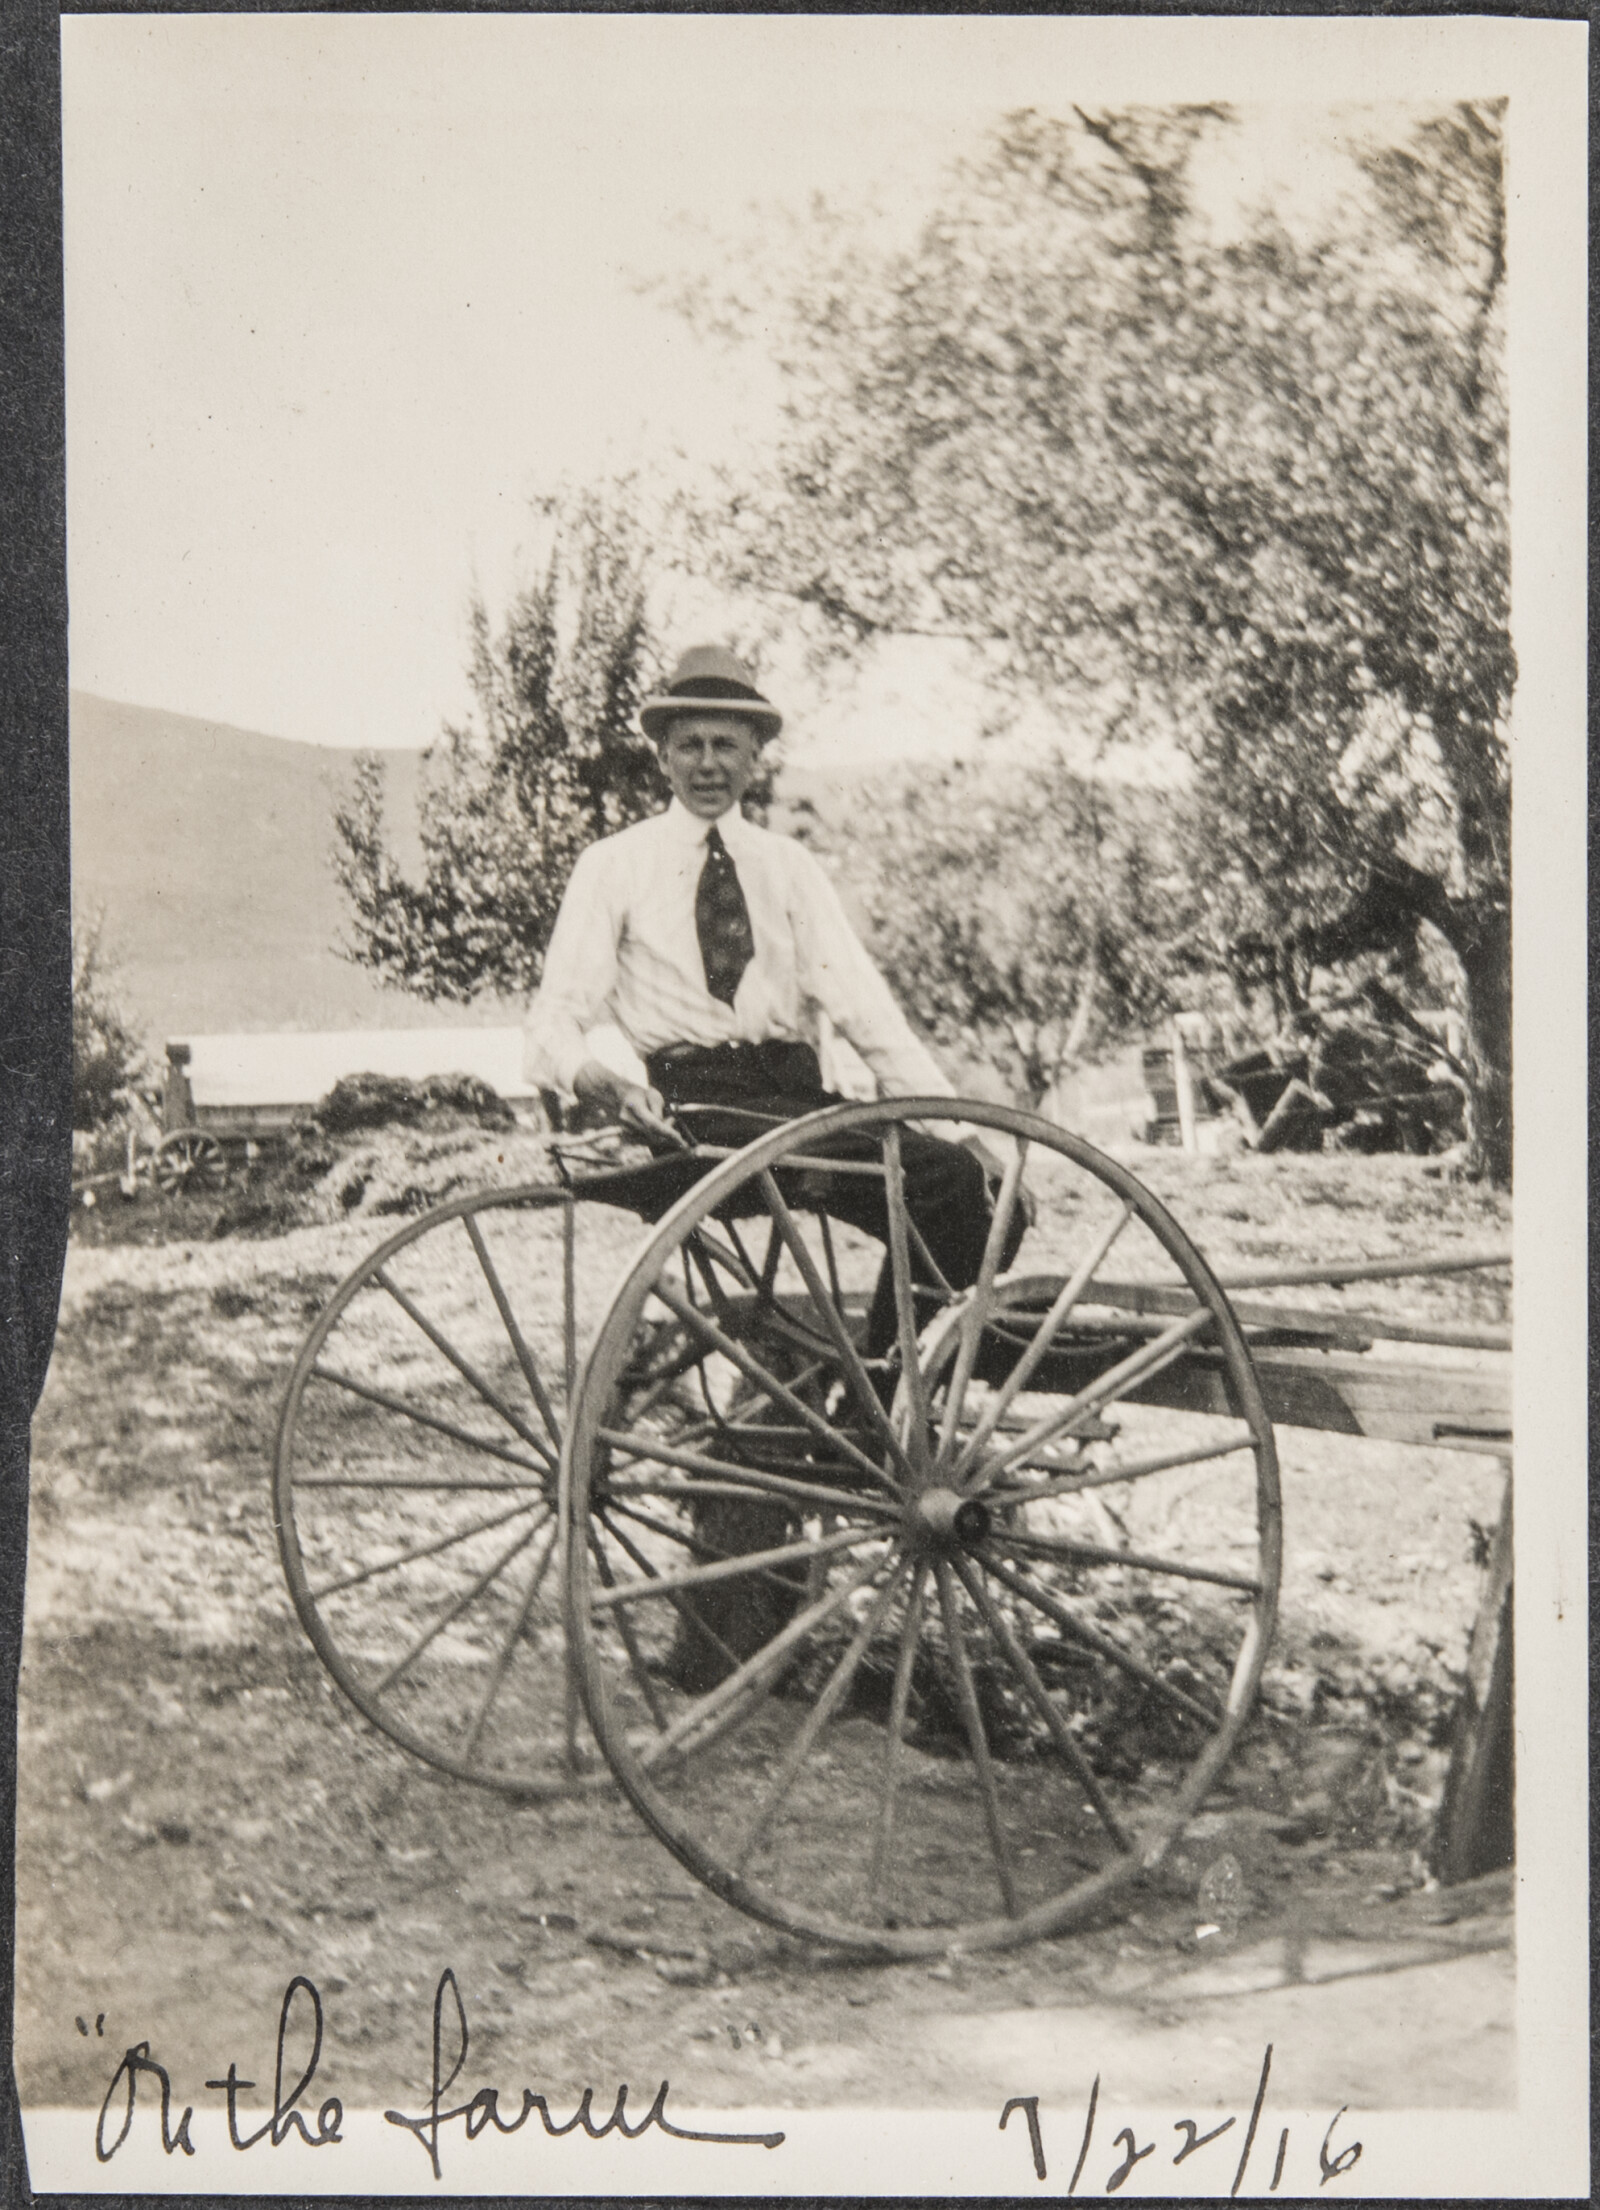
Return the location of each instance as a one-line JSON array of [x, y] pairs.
[[722, 921]]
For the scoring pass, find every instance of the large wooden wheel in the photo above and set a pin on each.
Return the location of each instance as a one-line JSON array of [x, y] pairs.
[[416, 1474], [930, 1643]]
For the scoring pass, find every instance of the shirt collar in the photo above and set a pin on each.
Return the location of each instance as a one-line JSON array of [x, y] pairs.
[[689, 829]]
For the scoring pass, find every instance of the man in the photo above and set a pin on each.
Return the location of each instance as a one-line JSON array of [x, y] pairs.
[[713, 945]]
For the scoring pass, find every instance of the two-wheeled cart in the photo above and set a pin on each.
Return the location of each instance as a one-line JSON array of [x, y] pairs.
[[900, 1637]]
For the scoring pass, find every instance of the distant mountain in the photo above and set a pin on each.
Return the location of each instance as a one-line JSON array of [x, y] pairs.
[[207, 850]]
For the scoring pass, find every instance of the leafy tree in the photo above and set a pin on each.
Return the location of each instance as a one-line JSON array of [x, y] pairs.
[[1026, 915], [107, 1055], [1250, 490], [552, 759]]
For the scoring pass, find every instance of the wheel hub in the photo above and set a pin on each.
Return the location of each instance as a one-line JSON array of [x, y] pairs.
[[943, 1519]]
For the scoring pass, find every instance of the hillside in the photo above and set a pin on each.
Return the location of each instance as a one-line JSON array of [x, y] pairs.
[[207, 849]]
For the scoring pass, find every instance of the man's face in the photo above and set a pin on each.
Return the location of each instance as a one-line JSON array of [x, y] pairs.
[[710, 760]]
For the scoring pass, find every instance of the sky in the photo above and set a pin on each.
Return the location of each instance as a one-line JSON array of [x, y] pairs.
[[344, 293]]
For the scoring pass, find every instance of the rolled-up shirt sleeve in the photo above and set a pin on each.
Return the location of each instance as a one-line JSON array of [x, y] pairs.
[[580, 969], [836, 973]]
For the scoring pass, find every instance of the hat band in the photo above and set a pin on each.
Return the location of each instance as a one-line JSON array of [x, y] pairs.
[[714, 686]]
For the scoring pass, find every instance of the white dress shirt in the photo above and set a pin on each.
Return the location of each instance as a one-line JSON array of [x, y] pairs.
[[625, 949]]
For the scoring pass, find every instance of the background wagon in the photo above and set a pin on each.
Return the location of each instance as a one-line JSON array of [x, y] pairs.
[[227, 1097]]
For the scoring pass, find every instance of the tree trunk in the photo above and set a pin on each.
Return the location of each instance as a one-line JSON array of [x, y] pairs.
[[1485, 958], [1078, 1027], [1478, 930]]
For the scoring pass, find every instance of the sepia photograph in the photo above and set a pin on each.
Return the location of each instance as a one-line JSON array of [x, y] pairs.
[[779, 1453]]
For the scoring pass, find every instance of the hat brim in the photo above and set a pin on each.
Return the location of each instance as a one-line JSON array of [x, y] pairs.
[[655, 715]]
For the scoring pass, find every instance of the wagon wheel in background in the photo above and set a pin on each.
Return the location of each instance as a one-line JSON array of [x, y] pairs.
[[416, 1473], [188, 1159], [1028, 1553]]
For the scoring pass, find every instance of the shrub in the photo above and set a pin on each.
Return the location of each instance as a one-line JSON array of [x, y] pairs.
[[107, 1056], [393, 1100]]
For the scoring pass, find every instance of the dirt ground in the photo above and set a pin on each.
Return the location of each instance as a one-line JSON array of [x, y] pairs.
[[201, 1816]]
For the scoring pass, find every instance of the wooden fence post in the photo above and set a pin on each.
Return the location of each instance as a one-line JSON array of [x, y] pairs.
[[1475, 1831], [1183, 1082]]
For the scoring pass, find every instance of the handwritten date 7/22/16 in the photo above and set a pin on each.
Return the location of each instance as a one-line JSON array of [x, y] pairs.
[[1192, 2137]]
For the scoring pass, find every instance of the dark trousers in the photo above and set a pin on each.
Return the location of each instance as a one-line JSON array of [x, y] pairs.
[[946, 1193], [743, 1086]]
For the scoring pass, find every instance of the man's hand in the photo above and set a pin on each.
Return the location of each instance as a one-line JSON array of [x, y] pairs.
[[645, 1111], [637, 1107]]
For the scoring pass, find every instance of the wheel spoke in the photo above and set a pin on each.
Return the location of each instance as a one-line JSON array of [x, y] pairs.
[[694, 1543], [385, 1398], [1139, 1365], [730, 1568], [976, 1315], [977, 1739], [1105, 1477], [754, 1371], [752, 1422], [508, 1645], [772, 1460], [646, 1451], [833, 1694], [751, 1271], [717, 1426], [765, 1660], [675, 1597], [899, 1702], [1071, 1290], [1079, 1630], [904, 1298], [740, 1487], [525, 1358], [685, 1541], [694, 1247], [452, 1612], [759, 1282], [825, 1231], [463, 1366], [1026, 1671], [936, 1274], [657, 1385], [427, 1549], [641, 1671], [1094, 1553], [785, 1225]]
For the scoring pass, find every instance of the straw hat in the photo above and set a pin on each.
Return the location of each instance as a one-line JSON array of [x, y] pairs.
[[708, 680]]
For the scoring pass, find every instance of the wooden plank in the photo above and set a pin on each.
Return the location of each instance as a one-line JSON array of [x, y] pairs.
[[1354, 1330], [1386, 1269], [1448, 1407]]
